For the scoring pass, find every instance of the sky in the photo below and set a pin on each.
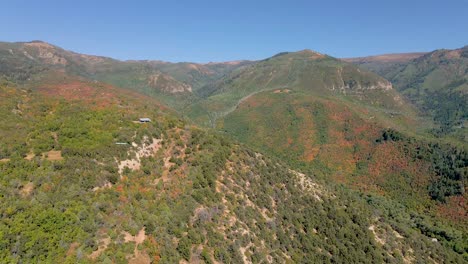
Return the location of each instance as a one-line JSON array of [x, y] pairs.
[[204, 31]]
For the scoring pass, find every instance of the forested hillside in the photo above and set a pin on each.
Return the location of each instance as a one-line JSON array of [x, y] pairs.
[[170, 192], [298, 158], [436, 82], [306, 71], [175, 84], [352, 145]]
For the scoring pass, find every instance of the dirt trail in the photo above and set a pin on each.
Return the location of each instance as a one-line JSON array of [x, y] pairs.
[[215, 116], [138, 238], [139, 257]]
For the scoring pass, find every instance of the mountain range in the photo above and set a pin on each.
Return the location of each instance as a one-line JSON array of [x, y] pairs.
[[297, 158]]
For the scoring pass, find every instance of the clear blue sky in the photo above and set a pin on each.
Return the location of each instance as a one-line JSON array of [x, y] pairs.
[[203, 31]]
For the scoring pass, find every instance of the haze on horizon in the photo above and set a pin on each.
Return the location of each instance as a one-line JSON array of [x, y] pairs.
[[214, 31]]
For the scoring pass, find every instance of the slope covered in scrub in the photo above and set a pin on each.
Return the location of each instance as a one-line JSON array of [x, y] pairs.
[[195, 196]]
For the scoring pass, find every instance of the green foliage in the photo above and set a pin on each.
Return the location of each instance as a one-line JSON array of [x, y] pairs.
[[448, 162], [184, 248], [202, 195], [390, 135], [436, 82]]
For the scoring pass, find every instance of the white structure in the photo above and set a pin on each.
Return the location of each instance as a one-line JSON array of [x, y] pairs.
[[145, 120]]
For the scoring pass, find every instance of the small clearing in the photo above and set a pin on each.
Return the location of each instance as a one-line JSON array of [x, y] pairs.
[[4, 160], [72, 249], [107, 185], [307, 184], [145, 150], [27, 189], [397, 235], [281, 91], [243, 250], [138, 238], [30, 156], [53, 155], [377, 238], [139, 257], [104, 242]]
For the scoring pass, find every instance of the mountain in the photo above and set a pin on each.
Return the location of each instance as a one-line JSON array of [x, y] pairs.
[[352, 145], [436, 82], [304, 71], [342, 123], [173, 83], [24, 60], [83, 182], [387, 58], [326, 116], [381, 64], [198, 89], [297, 158]]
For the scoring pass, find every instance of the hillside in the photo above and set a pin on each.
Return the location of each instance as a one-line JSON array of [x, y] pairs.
[[203, 92], [382, 64], [362, 135], [306, 71], [352, 145], [436, 82], [172, 83], [307, 159], [170, 192]]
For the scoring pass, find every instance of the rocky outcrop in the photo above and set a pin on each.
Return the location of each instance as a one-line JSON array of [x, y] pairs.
[[167, 83]]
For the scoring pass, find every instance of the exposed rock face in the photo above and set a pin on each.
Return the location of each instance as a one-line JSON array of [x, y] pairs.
[[380, 85], [45, 52], [167, 84], [345, 83]]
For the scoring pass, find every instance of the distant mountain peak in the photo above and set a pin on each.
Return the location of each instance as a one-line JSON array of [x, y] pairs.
[[234, 62], [39, 44], [36, 41], [305, 52], [309, 51]]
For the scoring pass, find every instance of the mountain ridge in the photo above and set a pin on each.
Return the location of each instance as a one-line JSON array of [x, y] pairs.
[[440, 74], [297, 158], [388, 57]]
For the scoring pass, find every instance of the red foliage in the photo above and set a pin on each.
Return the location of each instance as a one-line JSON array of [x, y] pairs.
[[455, 209], [96, 94], [119, 188]]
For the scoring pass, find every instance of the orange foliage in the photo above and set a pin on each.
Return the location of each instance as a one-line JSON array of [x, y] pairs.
[[97, 95], [389, 159], [119, 188], [455, 209]]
